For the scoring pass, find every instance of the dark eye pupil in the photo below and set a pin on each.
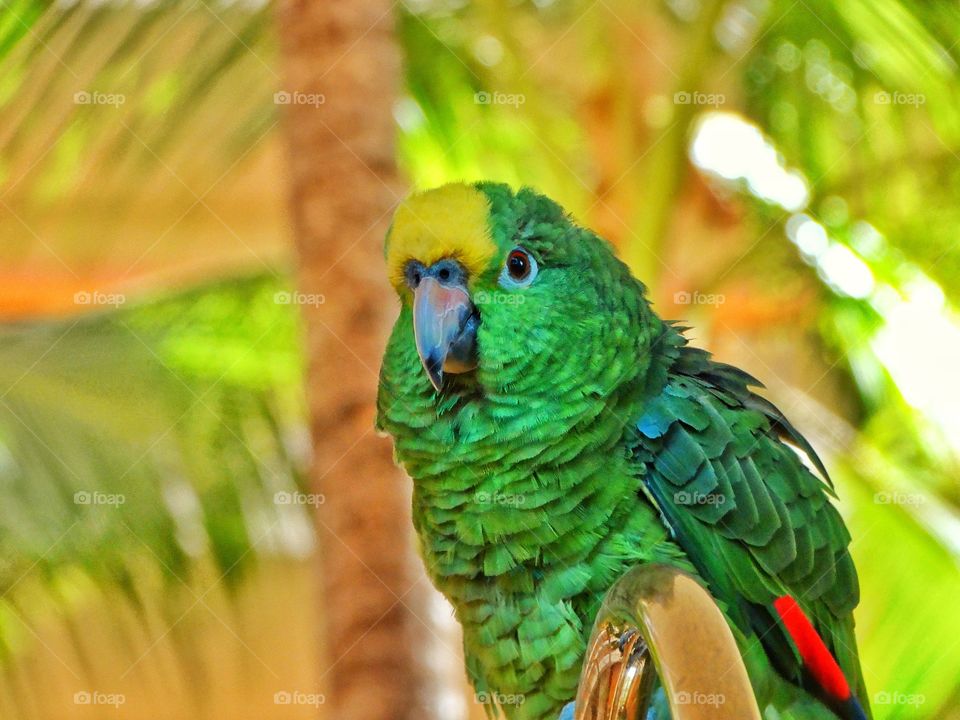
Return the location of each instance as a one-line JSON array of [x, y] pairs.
[[517, 265]]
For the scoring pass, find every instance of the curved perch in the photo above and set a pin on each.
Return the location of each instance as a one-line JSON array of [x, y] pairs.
[[657, 621]]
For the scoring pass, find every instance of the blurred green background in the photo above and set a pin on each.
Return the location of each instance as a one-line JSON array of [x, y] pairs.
[[783, 174]]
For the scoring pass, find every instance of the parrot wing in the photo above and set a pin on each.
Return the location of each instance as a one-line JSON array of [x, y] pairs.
[[755, 521]]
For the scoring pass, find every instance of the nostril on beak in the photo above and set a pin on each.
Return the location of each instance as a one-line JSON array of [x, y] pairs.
[[448, 273], [414, 273]]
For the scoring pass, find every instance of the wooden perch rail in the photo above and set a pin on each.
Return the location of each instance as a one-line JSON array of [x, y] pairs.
[[657, 621]]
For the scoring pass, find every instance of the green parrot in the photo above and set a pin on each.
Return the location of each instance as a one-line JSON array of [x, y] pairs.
[[558, 432]]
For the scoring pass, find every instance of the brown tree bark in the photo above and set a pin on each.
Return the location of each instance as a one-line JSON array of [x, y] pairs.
[[340, 74]]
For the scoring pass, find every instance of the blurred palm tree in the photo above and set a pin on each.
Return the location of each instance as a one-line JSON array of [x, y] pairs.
[[782, 174], [341, 76]]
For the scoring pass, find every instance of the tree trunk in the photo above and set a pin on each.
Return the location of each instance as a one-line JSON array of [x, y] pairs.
[[340, 77]]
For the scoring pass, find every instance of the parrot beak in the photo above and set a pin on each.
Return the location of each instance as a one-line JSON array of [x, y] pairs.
[[445, 326]]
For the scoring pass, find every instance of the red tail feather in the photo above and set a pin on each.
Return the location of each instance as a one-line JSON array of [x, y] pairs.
[[816, 656]]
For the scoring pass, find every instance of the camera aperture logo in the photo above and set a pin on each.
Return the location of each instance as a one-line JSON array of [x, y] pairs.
[[95, 697], [895, 697], [485, 97], [498, 698], [96, 297], [700, 698], [499, 498], [95, 497], [95, 97], [685, 297], [298, 697], [299, 498], [498, 298], [299, 298], [284, 97], [900, 98], [699, 98], [699, 498], [895, 497]]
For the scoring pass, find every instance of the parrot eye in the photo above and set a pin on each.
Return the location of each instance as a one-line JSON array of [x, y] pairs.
[[520, 269]]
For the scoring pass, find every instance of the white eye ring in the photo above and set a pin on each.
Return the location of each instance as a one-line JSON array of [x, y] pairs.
[[519, 270]]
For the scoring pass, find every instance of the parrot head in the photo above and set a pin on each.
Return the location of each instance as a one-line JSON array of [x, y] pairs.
[[501, 290]]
